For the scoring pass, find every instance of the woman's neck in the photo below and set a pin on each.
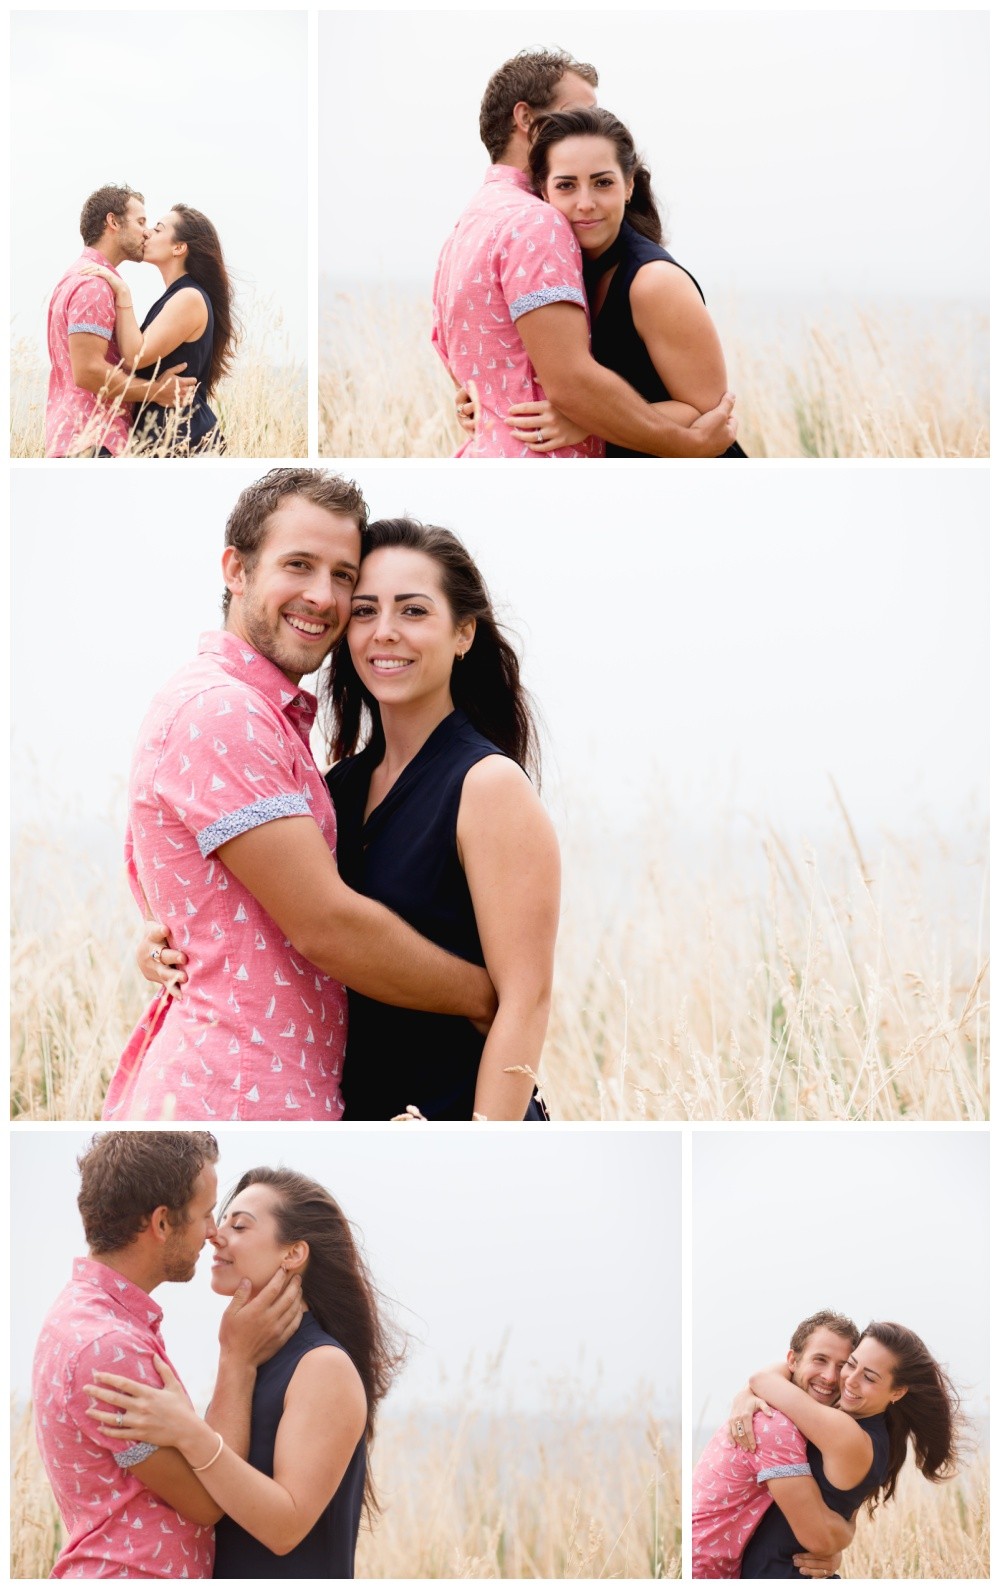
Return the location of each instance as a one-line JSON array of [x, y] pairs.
[[406, 729], [172, 270]]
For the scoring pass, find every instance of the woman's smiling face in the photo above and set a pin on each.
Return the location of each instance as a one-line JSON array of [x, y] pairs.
[[866, 1383], [402, 634], [586, 183], [246, 1243]]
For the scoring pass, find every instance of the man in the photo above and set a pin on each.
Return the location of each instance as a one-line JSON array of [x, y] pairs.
[[130, 1510], [88, 412], [232, 841], [510, 312], [734, 1486]]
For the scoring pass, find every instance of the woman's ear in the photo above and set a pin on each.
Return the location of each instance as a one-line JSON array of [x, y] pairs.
[[296, 1258], [464, 636], [899, 1395]]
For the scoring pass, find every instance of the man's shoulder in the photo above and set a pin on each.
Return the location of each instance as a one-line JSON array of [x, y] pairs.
[[79, 1324], [202, 687]]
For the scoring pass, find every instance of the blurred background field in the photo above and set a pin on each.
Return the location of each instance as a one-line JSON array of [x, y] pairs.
[[765, 982], [844, 382], [470, 1494], [261, 404]]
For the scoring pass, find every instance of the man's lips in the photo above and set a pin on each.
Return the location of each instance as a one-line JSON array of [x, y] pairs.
[[309, 628]]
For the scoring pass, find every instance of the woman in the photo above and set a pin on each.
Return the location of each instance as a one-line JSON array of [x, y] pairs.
[[293, 1509], [648, 318], [191, 323], [437, 819], [891, 1392]]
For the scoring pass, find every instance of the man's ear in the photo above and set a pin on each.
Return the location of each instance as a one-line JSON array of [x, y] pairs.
[[234, 571], [792, 1361], [523, 116], [159, 1226]]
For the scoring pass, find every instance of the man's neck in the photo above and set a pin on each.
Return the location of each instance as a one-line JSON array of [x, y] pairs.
[[128, 1263], [109, 252], [516, 155]]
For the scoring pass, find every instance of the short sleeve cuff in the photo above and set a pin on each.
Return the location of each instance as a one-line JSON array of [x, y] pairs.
[[794, 1470], [135, 1454], [253, 816], [90, 328], [543, 296]]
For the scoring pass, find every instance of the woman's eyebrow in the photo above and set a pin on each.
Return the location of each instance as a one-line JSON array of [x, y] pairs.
[[242, 1213]]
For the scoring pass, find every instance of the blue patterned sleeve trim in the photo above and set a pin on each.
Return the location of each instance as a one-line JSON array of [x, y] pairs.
[[544, 295], [96, 331], [236, 822], [794, 1470], [133, 1454]]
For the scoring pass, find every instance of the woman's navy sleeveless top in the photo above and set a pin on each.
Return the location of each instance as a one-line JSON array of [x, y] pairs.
[[406, 857], [328, 1549], [616, 343], [198, 422]]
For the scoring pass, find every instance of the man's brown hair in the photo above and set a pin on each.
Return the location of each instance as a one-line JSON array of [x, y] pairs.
[[531, 76], [246, 527], [109, 200], [124, 1175], [839, 1323]]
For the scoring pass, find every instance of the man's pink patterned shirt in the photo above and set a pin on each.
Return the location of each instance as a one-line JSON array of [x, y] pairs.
[[730, 1493], [114, 1526], [74, 418], [260, 1033], [509, 253]]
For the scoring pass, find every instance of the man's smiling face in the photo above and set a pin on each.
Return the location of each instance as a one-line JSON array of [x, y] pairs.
[[817, 1368]]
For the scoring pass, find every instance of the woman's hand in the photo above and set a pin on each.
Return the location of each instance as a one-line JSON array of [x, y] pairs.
[[159, 963], [745, 1404], [467, 409], [120, 288], [542, 428], [141, 1412]]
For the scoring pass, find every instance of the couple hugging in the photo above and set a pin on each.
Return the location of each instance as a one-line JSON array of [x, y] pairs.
[[813, 1438], [116, 386], [273, 1481], [377, 942], [567, 328]]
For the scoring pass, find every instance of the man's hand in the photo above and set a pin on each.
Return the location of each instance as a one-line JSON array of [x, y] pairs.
[[253, 1330], [817, 1566], [716, 430], [745, 1404], [173, 390]]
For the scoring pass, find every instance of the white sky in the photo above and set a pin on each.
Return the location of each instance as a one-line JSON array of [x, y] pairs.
[[192, 107], [720, 640], [875, 1223], [567, 1249], [797, 152]]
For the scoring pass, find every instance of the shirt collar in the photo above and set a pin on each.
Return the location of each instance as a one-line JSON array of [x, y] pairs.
[[238, 658], [125, 1294], [514, 177], [97, 258]]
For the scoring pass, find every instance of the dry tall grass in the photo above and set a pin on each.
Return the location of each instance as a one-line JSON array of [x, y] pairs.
[[864, 390], [261, 405], [471, 1495], [728, 989], [926, 1531]]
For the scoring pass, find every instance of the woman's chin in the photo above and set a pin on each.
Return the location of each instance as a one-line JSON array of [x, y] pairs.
[[225, 1282]]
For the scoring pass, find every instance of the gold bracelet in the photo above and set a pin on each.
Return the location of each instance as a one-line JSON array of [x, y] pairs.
[[208, 1464]]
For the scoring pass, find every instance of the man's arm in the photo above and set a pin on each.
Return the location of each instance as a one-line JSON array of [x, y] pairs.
[[287, 866], [93, 373], [812, 1522], [557, 344]]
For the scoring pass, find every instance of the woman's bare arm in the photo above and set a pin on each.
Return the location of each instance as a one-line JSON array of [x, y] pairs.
[[679, 335], [508, 848], [847, 1449]]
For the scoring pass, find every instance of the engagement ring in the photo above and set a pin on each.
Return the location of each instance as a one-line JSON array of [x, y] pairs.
[[154, 954], [119, 1417]]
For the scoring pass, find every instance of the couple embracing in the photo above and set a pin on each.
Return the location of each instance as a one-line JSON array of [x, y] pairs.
[[117, 386], [372, 944], [567, 328], [273, 1481]]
